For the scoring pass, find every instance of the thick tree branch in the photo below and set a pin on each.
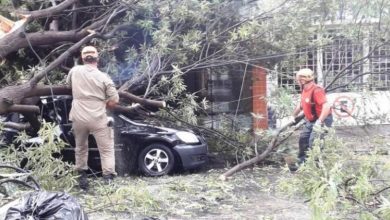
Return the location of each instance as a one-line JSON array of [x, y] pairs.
[[49, 90], [17, 126], [17, 39], [142, 101], [23, 108], [41, 90], [66, 90], [48, 12], [133, 110]]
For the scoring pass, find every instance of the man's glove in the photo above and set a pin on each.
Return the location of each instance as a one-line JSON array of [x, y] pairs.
[[319, 123], [293, 120], [320, 127]]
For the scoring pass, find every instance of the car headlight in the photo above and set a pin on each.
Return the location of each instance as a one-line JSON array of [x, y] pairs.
[[187, 137]]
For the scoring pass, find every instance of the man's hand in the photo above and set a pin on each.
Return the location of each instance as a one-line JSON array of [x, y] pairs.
[[320, 127], [292, 120], [111, 104], [319, 123]]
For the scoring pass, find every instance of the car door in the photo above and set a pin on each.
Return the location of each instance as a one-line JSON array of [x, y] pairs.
[[126, 147]]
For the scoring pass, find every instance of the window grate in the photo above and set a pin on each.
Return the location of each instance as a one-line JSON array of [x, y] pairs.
[[339, 63], [380, 68], [305, 58], [340, 66]]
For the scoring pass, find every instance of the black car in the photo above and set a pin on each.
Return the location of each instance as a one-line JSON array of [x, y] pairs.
[[152, 150]]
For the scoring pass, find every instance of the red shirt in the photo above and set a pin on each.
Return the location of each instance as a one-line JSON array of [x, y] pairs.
[[312, 93]]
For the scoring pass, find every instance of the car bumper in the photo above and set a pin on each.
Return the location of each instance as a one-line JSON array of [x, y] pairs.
[[192, 156]]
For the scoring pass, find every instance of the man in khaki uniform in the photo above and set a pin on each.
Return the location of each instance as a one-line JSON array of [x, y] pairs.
[[93, 92]]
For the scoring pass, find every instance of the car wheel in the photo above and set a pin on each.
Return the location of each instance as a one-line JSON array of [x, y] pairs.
[[156, 160]]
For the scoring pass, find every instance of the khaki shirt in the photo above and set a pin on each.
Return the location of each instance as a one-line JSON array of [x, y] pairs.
[[91, 89]]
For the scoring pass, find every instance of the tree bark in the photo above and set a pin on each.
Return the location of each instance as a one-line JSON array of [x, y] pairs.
[[17, 126], [48, 12], [13, 98], [13, 95], [142, 101], [18, 38]]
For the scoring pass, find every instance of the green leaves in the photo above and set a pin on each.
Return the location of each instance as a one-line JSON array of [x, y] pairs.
[[192, 40], [50, 171], [341, 183]]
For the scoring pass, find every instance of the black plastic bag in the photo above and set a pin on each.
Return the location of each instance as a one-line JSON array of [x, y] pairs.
[[46, 205]]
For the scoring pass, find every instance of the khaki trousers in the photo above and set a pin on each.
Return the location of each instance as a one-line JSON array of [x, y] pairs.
[[104, 137]]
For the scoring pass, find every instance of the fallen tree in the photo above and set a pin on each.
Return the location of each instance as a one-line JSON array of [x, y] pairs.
[[20, 97], [154, 43], [13, 97]]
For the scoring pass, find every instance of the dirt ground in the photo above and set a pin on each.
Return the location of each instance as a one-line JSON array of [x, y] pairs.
[[250, 194]]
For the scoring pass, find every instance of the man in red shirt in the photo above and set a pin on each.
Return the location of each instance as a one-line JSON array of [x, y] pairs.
[[315, 107]]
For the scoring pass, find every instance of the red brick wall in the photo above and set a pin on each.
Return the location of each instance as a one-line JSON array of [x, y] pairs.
[[259, 92]]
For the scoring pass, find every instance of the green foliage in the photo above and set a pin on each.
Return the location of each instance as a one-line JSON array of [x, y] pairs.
[[282, 102], [241, 141], [340, 183], [238, 144], [42, 159], [384, 208], [185, 197], [202, 34], [177, 37], [126, 198], [5, 2], [186, 106]]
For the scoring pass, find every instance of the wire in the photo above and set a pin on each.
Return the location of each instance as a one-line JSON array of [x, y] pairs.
[[241, 89]]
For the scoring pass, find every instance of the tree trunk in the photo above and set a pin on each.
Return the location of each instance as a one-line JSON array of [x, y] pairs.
[[11, 95]]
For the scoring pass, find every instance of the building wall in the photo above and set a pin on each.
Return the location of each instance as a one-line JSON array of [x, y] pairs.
[[360, 95], [241, 92], [259, 98], [352, 108], [228, 90]]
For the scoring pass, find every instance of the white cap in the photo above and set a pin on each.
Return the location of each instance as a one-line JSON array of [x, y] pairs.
[[89, 51], [305, 74]]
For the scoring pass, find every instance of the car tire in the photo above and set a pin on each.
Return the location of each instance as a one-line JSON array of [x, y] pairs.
[[156, 160]]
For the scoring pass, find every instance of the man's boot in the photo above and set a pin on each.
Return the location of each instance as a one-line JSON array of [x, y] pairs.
[[293, 167], [108, 178], [83, 180], [291, 163]]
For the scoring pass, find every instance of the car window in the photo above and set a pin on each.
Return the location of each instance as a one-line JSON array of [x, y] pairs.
[[56, 109]]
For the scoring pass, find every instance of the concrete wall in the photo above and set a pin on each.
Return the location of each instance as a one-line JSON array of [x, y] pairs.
[[357, 109], [360, 108]]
